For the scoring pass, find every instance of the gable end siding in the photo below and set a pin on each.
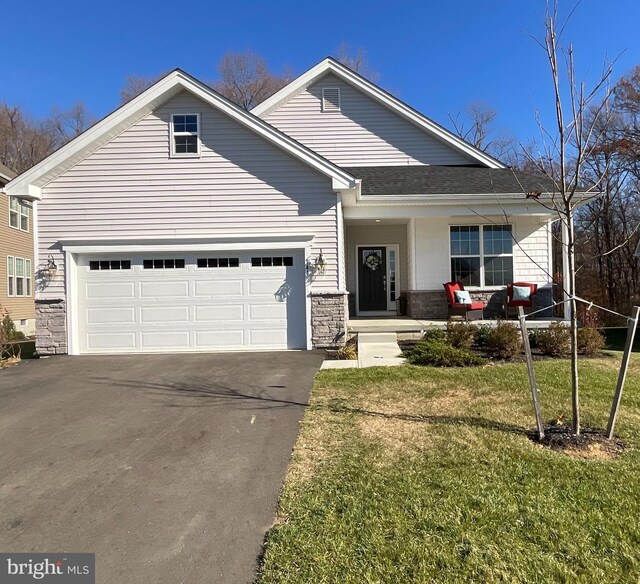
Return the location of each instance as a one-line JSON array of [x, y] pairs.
[[363, 132], [241, 184]]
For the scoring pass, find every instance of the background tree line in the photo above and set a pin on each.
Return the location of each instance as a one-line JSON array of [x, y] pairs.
[[607, 230]]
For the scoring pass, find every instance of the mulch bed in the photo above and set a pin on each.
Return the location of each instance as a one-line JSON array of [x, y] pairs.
[[590, 444]]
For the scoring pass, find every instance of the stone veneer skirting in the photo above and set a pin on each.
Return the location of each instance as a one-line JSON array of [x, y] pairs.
[[51, 327], [328, 319], [432, 304]]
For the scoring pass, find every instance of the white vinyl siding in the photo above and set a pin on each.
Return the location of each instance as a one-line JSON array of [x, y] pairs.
[[241, 184], [362, 133], [531, 254]]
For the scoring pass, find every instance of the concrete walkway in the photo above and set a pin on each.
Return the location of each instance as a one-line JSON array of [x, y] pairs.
[[374, 350]]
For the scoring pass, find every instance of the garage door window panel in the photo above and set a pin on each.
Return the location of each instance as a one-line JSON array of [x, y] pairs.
[[218, 262], [268, 262], [101, 265], [163, 264]]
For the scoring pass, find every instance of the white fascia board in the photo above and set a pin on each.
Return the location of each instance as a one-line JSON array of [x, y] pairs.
[[331, 66], [445, 210], [188, 244], [29, 183]]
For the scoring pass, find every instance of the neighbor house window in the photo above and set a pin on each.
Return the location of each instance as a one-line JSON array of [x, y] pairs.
[[481, 255], [185, 134], [18, 276], [18, 214]]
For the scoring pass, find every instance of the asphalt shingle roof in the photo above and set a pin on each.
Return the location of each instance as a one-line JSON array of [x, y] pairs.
[[446, 180]]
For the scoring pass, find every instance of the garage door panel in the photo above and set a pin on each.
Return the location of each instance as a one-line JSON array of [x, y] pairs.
[[219, 288], [277, 311], [164, 289], [227, 339], [265, 286], [193, 308], [106, 289], [119, 315], [224, 312], [107, 341], [152, 314], [268, 338], [165, 340]]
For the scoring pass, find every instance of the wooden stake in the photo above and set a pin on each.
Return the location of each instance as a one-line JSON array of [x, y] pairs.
[[626, 356], [532, 374]]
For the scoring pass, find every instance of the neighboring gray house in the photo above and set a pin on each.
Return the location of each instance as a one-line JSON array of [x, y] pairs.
[[181, 222]]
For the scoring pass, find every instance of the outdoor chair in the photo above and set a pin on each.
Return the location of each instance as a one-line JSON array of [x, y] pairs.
[[519, 294], [460, 303]]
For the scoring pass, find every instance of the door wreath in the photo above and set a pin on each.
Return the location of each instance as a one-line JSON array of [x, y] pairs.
[[373, 261]]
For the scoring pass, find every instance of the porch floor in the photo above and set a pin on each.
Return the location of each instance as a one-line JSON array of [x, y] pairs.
[[404, 324]]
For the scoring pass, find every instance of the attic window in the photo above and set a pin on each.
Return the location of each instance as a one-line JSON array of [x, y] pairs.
[[185, 134], [331, 99]]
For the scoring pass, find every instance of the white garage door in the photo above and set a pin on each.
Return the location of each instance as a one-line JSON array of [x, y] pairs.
[[191, 302]]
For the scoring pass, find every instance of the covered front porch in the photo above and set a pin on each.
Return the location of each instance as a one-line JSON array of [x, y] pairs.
[[396, 266]]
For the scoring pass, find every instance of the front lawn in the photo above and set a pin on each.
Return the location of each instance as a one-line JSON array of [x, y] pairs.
[[413, 474]]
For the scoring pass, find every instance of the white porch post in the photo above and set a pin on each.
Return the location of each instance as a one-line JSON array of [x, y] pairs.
[[565, 270]]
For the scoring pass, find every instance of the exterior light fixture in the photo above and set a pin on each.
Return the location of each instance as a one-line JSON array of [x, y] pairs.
[[317, 265], [51, 268]]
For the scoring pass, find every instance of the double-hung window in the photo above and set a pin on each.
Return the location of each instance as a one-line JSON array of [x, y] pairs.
[[481, 255], [185, 134], [18, 276], [18, 214]]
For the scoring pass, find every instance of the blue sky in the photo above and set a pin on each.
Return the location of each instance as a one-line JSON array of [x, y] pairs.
[[437, 56]]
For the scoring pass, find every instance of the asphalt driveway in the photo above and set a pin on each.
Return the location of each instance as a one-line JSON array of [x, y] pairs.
[[168, 467]]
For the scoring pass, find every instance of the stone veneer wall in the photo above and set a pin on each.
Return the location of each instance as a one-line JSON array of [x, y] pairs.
[[432, 304], [328, 319], [51, 327]]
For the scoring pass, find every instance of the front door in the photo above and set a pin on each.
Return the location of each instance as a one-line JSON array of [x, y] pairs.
[[372, 278]]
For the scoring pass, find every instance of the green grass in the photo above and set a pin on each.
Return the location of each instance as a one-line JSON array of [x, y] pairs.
[[426, 475]]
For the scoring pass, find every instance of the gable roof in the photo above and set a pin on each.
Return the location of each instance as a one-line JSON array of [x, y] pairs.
[[330, 65], [6, 174], [447, 180], [30, 183]]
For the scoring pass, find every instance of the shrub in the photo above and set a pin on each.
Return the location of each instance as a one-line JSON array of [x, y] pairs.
[[554, 341], [504, 341], [434, 334], [461, 335], [590, 341], [440, 354], [8, 330], [482, 335]]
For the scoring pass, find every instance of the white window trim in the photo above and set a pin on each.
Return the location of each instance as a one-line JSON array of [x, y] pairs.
[[23, 211], [339, 108], [482, 256], [27, 286], [173, 135]]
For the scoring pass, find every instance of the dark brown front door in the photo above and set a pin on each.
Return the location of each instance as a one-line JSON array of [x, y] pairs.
[[372, 278]]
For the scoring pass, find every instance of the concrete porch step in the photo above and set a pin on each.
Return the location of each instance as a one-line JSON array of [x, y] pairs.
[[378, 350]]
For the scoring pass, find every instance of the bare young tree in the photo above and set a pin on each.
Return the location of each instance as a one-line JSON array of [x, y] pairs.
[[580, 116]]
